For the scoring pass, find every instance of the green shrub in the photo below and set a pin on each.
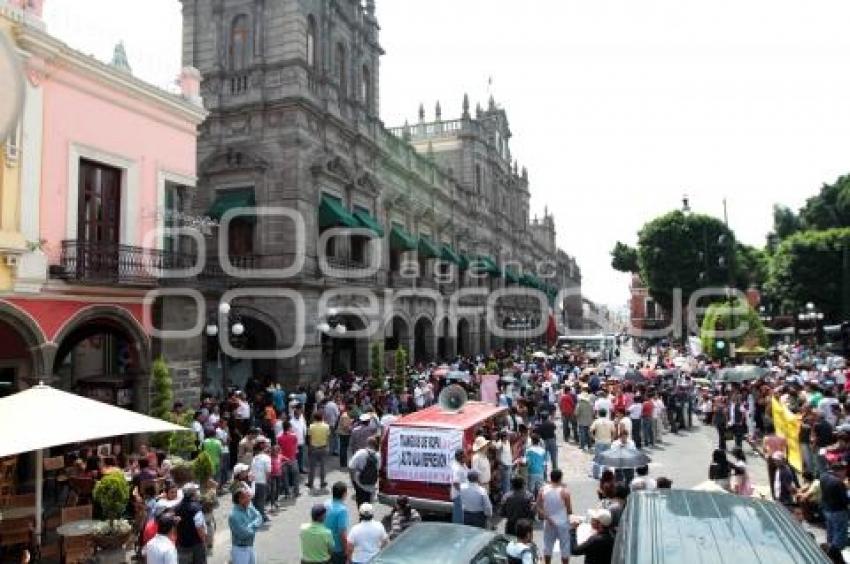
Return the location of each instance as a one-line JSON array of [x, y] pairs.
[[202, 468], [112, 493]]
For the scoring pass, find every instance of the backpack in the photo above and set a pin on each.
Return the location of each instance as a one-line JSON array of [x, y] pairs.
[[369, 474]]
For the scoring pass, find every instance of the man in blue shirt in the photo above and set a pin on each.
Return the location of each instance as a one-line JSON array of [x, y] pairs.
[[244, 521], [336, 520]]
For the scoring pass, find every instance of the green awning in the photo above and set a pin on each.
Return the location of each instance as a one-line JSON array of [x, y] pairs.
[[530, 281], [464, 262], [486, 264], [231, 199], [449, 254], [369, 222], [333, 214], [401, 240], [427, 248], [511, 276]]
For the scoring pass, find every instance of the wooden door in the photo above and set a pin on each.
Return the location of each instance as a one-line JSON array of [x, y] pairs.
[[98, 220]]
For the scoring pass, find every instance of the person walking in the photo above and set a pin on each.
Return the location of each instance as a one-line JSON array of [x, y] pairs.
[[459, 472], [475, 501], [367, 537], [481, 462], [160, 549], [584, 418], [834, 505], [517, 504], [244, 520], [288, 443], [336, 520], [554, 506], [505, 457], [602, 431], [567, 406], [364, 466], [299, 425], [316, 539], [646, 419], [737, 420], [343, 434], [261, 469], [318, 441], [535, 462], [635, 411], [191, 527], [546, 430]]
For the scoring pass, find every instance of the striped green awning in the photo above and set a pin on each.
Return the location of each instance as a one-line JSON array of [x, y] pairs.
[[464, 262], [231, 199], [486, 264], [530, 281], [449, 254], [369, 222], [401, 240], [427, 248], [333, 214]]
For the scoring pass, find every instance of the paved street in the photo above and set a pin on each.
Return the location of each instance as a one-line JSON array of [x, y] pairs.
[[683, 458]]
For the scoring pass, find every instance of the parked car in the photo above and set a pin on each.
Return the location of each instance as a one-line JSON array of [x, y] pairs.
[[675, 526], [429, 543]]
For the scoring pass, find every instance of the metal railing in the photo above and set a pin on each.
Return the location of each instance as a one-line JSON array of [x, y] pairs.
[[97, 262]]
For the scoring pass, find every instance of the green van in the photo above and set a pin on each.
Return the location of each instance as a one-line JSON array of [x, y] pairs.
[[695, 527]]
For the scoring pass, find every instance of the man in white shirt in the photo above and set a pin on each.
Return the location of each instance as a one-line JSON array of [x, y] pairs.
[[634, 412], [602, 430], [459, 472], [299, 425], [160, 549], [480, 462], [261, 468], [522, 549], [601, 404], [366, 537]]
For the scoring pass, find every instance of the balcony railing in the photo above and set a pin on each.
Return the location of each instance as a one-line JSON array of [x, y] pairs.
[[344, 270], [109, 263]]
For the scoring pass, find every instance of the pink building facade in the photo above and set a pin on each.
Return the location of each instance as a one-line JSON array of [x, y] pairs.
[[105, 158]]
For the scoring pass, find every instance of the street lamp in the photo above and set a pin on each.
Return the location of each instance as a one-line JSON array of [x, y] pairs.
[[810, 315], [333, 323], [232, 319]]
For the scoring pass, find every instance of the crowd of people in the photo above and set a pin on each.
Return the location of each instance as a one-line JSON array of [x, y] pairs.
[[269, 445]]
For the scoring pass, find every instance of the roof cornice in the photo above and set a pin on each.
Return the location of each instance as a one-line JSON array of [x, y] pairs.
[[54, 51]]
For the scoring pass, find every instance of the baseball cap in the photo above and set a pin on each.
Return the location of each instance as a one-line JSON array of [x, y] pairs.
[[366, 509], [601, 515]]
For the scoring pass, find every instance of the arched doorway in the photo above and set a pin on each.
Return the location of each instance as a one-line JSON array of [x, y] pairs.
[[249, 374], [463, 343], [444, 341], [21, 350], [344, 353], [423, 337], [104, 354], [398, 335]]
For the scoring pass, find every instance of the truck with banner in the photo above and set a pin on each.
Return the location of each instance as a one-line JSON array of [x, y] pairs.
[[417, 451]]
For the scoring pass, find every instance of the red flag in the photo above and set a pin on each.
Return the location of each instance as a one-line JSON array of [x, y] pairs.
[[551, 331]]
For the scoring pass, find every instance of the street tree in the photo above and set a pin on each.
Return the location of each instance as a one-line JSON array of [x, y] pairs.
[[685, 251], [624, 258], [810, 266], [830, 208]]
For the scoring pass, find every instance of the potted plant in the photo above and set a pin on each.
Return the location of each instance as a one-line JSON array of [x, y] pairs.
[[112, 493]]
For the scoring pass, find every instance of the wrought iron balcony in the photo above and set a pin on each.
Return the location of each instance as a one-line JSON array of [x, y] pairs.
[[345, 269], [108, 263]]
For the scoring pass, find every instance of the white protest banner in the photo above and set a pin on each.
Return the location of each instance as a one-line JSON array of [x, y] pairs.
[[422, 454]]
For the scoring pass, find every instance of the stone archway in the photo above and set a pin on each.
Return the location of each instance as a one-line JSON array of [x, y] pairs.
[[347, 352], [104, 353], [423, 340], [464, 344], [24, 354]]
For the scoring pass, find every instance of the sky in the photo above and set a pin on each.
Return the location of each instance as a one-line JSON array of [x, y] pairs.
[[617, 107]]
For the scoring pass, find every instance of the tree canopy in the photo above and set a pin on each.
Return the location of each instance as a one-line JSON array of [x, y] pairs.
[[808, 267], [830, 208], [624, 258], [683, 250]]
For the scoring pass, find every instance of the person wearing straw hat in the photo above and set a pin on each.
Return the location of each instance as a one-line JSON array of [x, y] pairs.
[[480, 463]]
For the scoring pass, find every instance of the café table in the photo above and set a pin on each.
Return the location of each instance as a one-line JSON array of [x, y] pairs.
[[81, 528]]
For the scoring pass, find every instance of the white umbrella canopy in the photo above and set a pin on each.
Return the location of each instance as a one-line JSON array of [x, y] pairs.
[[23, 427]]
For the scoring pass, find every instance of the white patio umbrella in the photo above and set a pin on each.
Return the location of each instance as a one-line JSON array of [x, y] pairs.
[[23, 427]]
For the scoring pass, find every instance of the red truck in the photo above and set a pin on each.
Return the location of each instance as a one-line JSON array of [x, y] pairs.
[[417, 451]]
